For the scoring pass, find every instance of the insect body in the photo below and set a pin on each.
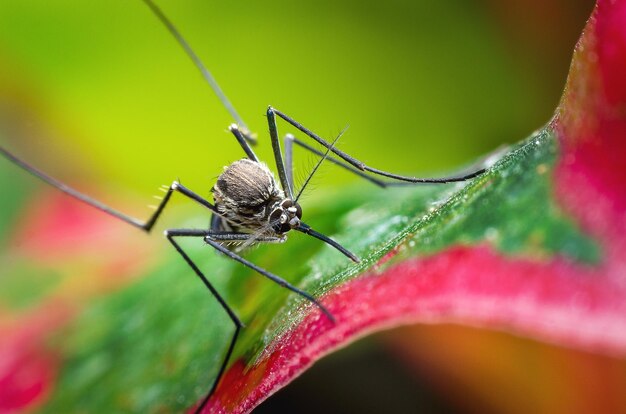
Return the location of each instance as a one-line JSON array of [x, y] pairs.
[[247, 197], [250, 205]]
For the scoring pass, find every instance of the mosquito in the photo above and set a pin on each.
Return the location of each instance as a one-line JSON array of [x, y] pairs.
[[249, 205]]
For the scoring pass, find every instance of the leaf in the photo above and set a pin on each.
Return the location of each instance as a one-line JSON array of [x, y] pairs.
[[536, 246]]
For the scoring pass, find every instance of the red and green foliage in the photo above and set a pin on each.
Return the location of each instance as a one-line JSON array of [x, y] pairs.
[[536, 246]]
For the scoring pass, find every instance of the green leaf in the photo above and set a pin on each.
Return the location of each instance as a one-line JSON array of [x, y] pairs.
[[533, 245], [157, 344]]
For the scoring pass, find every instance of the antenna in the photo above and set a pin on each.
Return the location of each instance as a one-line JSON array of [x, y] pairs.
[[308, 179]]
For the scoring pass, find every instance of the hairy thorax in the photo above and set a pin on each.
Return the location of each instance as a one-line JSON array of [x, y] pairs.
[[245, 195]]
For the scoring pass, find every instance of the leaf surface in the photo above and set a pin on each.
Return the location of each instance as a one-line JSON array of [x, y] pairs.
[[536, 246]]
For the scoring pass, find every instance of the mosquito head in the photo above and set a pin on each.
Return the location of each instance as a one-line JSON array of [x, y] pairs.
[[286, 216]]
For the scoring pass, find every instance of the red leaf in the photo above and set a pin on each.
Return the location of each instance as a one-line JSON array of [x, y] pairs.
[[27, 367], [555, 300]]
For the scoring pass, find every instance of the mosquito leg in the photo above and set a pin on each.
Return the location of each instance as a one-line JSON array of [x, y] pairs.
[[271, 116], [278, 156], [171, 234], [144, 225], [245, 145], [214, 239], [352, 169], [206, 74], [288, 141], [178, 187], [226, 236], [318, 165], [276, 279], [229, 353]]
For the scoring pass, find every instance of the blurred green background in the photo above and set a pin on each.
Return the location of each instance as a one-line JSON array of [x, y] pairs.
[[424, 85], [98, 94]]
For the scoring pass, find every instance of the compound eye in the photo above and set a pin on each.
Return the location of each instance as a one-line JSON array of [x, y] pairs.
[[281, 228], [275, 216], [280, 221], [286, 203]]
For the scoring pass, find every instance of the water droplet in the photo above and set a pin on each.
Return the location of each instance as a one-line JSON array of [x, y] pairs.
[[491, 233]]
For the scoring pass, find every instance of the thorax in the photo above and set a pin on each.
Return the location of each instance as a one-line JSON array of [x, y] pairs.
[[245, 194]]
